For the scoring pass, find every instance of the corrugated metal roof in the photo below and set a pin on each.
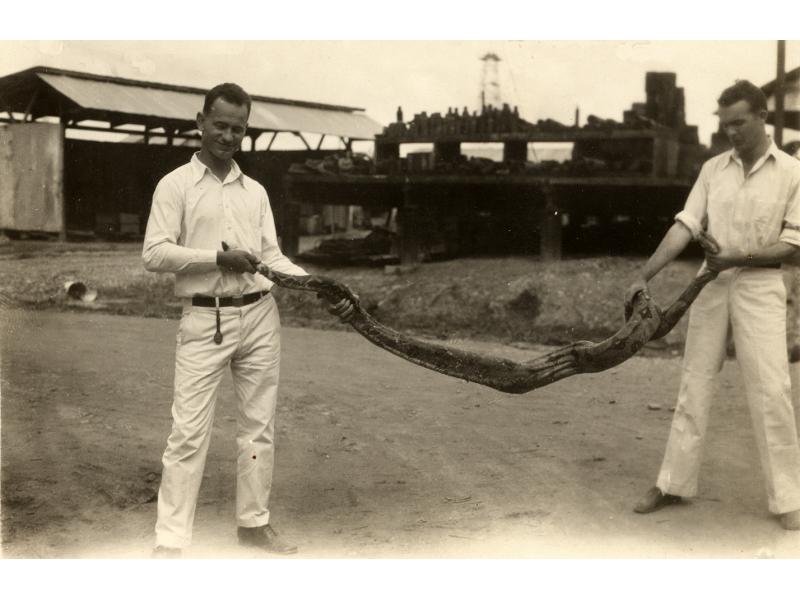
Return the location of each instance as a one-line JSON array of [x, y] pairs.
[[182, 105], [106, 96], [283, 117]]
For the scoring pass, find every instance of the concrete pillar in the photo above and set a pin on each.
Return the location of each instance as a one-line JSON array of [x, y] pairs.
[[408, 228], [550, 227], [515, 151]]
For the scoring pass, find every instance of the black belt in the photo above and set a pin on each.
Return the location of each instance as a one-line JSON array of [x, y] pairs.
[[229, 301]]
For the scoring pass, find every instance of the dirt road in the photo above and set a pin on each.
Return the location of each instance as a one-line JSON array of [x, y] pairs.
[[375, 457]]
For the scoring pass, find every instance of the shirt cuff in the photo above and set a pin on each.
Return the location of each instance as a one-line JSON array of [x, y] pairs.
[[790, 234], [690, 221], [205, 257]]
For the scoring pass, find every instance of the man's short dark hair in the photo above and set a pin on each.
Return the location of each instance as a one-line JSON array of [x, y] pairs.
[[229, 92], [744, 90]]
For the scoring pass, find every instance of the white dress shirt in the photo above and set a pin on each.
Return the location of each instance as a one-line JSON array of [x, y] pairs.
[[746, 212], [193, 212]]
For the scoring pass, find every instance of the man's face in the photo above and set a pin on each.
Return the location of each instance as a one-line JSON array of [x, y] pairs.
[[744, 128], [223, 128]]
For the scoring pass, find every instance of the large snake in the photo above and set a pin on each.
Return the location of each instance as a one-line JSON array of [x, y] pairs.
[[645, 321]]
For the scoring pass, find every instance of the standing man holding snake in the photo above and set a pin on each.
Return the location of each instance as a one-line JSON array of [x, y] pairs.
[[212, 226], [749, 197]]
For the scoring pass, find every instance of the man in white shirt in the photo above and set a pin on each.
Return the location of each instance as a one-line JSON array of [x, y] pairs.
[[749, 200], [211, 225]]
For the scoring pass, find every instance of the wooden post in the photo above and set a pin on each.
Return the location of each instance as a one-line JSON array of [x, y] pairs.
[[408, 230], [780, 90], [386, 151], [290, 222], [446, 151], [515, 151], [550, 227]]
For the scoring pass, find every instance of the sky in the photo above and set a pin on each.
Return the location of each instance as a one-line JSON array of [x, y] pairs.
[[545, 79]]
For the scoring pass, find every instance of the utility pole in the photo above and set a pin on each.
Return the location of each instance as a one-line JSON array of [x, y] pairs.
[[780, 92]]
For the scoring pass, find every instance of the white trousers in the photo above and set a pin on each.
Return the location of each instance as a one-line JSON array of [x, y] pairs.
[[754, 302], [251, 346]]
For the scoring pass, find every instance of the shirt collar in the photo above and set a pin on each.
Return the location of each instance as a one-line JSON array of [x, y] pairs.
[[199, 169], [772, 150]]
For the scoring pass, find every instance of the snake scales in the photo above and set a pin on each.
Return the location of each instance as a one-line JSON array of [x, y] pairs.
[[645, 321]]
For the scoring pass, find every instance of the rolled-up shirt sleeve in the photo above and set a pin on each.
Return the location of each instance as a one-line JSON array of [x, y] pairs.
[[271, 254], [161, 251], [791, 221], [695, 210]]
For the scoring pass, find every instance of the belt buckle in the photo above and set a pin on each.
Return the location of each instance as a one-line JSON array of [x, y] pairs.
[[237, 301]]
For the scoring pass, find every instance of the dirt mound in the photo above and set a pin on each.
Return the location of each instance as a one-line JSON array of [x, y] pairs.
[[508, 299]]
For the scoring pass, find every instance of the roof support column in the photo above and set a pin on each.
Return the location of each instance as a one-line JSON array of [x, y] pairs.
[[31, 103], [8, 110]]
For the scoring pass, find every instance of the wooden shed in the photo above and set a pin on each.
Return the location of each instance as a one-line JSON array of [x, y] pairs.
[[51, 181]]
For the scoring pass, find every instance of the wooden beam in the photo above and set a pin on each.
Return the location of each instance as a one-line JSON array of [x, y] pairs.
[[321, 139], [300, 135], [29, 108], [70, 124], [254, 137], [114, 122], [272, 139]]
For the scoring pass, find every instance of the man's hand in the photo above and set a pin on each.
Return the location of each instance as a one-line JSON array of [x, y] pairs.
[[237, 261], [639, 285], [343, 309], [724, 259]]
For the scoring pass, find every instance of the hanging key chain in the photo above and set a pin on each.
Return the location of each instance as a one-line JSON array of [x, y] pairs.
[[218, 334]]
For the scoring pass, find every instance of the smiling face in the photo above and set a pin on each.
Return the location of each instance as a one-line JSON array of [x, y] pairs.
[[223, 127], [744, 128]]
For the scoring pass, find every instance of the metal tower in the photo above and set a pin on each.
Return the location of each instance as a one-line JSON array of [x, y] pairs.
[[490, 82]]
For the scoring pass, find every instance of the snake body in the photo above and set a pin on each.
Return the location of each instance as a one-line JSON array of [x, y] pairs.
[[645, 321]]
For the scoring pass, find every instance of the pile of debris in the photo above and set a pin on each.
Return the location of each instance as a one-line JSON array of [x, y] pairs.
[[345, 163], [377, 248]]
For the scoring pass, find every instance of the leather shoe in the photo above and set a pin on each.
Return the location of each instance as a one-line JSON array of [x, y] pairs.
[[266, 538], [655, 500], [791, 520], [165, 552]]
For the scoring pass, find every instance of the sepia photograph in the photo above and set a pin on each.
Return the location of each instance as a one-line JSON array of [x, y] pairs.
[[400, 299]]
